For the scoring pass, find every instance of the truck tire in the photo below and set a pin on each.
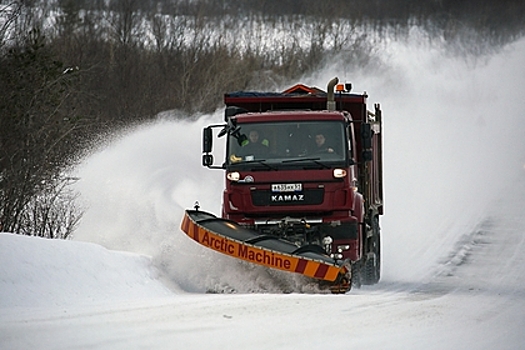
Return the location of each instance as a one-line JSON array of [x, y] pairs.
[[371, 271], [356, 275]]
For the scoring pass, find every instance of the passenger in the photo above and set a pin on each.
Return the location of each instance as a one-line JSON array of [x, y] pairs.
[[254, 146], [322, 147]]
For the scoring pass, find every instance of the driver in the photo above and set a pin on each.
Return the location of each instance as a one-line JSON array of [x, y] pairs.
[[254, 145]]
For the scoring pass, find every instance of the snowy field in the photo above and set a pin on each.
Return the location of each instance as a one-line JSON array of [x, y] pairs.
[[453, 234]]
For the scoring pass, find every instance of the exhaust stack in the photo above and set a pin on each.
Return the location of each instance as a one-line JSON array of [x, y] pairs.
[[330, 101]]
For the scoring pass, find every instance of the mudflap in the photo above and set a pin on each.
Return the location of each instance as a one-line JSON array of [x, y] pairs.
[[230, 238]]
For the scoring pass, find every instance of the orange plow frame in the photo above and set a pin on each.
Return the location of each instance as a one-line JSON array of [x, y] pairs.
[[244, 244]]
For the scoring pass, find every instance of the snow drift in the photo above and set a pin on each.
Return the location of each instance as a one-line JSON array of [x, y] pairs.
[[37, 272]]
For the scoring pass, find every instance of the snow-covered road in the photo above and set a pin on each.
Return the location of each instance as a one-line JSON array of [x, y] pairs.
[[111, 300], [453, 234]]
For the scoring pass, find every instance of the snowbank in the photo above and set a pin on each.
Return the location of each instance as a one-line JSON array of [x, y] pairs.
[[36, 272]]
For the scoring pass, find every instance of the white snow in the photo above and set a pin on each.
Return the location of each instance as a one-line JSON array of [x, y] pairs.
[[37, 272], [453, 235], [64, 294]]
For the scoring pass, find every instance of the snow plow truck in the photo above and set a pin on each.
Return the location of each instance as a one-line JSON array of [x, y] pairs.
[[303, 184]]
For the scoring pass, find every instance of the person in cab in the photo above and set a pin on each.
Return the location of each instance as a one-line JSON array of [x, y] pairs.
[[322, 146], [254, 145]]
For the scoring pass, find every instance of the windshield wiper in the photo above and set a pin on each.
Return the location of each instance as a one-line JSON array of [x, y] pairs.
[[301, 160], [260, 161]]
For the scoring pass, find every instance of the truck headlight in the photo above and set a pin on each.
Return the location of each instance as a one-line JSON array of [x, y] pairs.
[[339, 173], [233, 176]]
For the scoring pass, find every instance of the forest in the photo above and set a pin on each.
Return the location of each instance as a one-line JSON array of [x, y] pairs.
[[74, 72]]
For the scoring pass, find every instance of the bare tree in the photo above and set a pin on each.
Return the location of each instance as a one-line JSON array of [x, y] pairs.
[[9, 13], [53, 213], [38, 129]]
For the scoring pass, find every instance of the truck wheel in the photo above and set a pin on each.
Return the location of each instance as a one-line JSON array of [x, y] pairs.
[[372, 267], [356, 275]]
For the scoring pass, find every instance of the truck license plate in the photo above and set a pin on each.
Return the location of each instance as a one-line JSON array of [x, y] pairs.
[[287, 187]]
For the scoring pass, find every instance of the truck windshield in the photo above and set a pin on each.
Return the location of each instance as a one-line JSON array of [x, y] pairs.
[[287, 143]]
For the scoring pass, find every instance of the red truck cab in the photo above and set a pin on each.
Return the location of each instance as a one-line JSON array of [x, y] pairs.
[[306, 166]]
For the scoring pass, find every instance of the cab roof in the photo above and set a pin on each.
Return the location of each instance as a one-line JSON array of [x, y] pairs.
[[296, 115]]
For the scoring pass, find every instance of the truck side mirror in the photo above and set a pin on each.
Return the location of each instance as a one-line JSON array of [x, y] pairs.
[[366, 134], [207, 140], [207, 160], [367, 155]]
